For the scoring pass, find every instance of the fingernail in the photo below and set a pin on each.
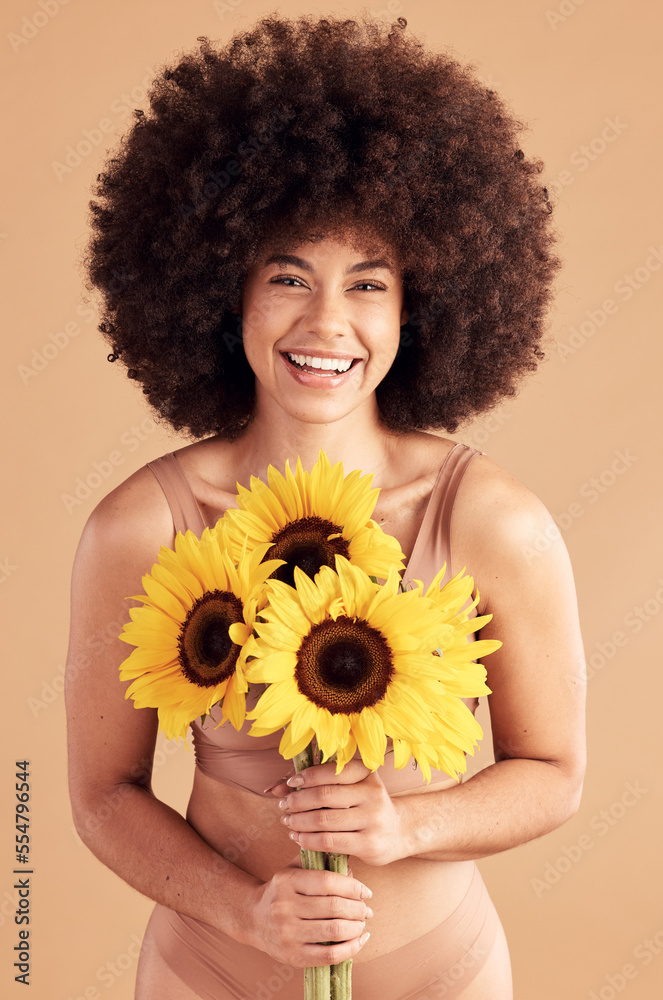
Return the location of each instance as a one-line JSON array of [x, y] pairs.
[[293, 836], [365, 892], [297, 779], [369, 912], [363, 939], [281, 781], [283, 804]]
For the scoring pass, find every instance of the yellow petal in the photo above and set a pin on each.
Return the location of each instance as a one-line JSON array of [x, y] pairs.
[[277, 666], [239, 633], [371, 740], [234, 707], [276, 705], [289, 746], [345, 753]]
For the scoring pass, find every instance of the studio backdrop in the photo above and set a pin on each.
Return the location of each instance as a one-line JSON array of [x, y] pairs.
[[581, 906]]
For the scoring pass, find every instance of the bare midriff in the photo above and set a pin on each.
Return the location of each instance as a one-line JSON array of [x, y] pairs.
[[410, 896]]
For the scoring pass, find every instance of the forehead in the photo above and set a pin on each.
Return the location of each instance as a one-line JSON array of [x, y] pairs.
[[357, 251], [366, 263]]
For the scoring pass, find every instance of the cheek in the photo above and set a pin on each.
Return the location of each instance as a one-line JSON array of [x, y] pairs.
[[259, 312], [257, 356], [259, 334], [385, 347]]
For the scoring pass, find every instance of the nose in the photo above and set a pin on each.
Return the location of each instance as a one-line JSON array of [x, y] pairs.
[[325, 316]]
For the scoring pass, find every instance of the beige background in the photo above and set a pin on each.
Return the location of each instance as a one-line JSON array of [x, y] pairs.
[[581, 906]]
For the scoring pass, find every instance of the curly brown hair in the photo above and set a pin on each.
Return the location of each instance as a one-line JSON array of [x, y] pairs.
[[310, 126]]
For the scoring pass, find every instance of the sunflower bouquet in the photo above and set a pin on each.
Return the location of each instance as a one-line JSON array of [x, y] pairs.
[[285, 591]]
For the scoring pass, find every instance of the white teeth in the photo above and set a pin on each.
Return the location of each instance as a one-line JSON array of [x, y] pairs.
[[325, 364]]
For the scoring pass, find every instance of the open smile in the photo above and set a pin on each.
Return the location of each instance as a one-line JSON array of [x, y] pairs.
[[310, 369]]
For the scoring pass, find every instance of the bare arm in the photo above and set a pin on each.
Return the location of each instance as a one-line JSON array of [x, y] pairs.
[[538, 701], [111, 744], [111, 748], [536, 708]]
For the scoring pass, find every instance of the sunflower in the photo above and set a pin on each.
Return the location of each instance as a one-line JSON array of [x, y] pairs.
[[197, 615], [352, 663], [456, 733], [464, 677], [310, 518], [456, 625]]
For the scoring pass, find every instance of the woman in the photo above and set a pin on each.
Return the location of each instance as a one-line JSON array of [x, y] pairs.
[[322, 236]]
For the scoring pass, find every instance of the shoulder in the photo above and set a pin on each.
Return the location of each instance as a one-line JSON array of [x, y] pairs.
[[504, 533], [416, 457], [211, 466], [491, 504], [130, 523]]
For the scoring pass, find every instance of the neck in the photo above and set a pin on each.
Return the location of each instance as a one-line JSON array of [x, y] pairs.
[[358, 440]]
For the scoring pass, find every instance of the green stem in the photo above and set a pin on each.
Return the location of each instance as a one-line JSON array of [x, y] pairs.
[[324, 982], [316, 978], [341, 974], [310, 859]]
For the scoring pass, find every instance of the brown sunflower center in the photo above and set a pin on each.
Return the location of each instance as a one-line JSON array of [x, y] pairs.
[[306, 543], [344, 665], [207, 653]]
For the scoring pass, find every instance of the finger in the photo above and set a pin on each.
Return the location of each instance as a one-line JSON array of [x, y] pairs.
[[321, 797], [330, 843], [309, 882], [333, 954], [321, 820], [296, 861], [331, 907], [325, 774], [280, 784], [319, 931], [279, 789]]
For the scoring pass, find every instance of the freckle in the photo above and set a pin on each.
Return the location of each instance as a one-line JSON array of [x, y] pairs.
[[167, 878]]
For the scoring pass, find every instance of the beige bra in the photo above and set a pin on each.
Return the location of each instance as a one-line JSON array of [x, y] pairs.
[[254, 763]]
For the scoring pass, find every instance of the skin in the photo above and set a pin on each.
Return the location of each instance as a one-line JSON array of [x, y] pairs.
[[414, 850]]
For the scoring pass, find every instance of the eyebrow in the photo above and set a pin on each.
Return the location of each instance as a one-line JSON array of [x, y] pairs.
[[363, 265]]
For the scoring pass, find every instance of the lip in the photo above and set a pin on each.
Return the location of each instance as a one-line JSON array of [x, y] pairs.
[[319, 354], [322, 379]]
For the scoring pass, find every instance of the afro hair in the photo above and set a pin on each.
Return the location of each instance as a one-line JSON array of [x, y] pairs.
[[314, 125]]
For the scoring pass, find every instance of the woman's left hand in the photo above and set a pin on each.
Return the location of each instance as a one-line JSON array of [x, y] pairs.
[[348, 813]]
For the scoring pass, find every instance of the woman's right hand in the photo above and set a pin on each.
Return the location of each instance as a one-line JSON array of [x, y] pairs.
[[299, 908]]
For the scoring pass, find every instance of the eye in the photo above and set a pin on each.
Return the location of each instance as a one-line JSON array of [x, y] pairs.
[[281, 279]]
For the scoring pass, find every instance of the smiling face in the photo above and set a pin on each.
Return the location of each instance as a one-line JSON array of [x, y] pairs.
[[321, 326]]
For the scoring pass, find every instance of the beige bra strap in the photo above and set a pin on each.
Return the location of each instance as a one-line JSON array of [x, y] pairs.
[[433, 544], [463, 456], [181, 500]]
